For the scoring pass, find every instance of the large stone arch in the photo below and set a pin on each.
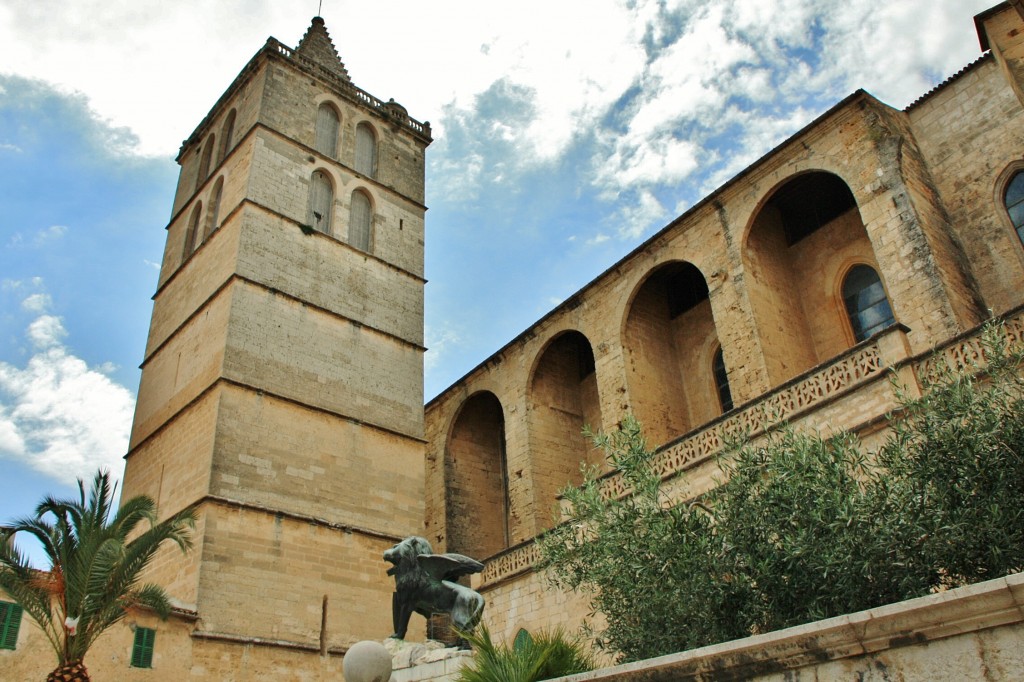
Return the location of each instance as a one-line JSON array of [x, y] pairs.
[[562, 400], [668, 330], [476, 479], [806, 233]]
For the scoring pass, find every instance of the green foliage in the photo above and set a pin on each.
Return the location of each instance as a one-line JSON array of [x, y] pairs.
[[804, 527], [542, 657], [94, 567], [955, 466], [637, 558]]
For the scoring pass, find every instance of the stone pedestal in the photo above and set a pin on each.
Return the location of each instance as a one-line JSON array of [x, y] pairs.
[[425, 661]]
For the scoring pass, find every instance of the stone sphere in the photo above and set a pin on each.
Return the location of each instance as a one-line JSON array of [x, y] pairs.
[[367, 662]]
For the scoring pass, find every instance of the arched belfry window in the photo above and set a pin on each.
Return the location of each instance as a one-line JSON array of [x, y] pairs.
[[866, 302], [327, 123], [193, 237], [1014, 201], [321, 202], [204, 162], [366, 150], [360, 219], [226, 136], [213, 215], [721, 380]]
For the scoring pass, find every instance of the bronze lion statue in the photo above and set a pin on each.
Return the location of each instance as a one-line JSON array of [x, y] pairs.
[[425, 583]]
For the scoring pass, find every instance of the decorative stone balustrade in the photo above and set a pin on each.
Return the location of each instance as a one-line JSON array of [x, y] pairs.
[[968, 351], [510, 563]]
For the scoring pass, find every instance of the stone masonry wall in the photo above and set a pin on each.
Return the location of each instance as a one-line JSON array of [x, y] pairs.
[[969, 148]]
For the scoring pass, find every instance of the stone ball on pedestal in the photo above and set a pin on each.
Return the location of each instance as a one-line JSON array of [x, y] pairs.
[[367, 662]]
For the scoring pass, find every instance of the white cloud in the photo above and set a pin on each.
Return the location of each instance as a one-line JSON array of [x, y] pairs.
[[440, 342], [50, 233], [46, 331], [6, 146], [37, 303], [39, 239], [635, 219], [57, 414]]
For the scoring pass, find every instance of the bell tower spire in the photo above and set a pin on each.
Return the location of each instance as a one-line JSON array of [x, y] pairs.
[[317, 47]]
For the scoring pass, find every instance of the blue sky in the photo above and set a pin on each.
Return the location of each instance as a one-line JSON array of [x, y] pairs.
[[565, 134]]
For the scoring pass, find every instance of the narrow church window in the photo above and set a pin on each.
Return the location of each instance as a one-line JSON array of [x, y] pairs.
[[142, 648], [326, 131], [1015, 203], [192, 237], [10, 623], [213, 215], [226, 135], [366, 150], [360, 218], [204, 163], [866, 303], [321, 202], [721, 381]]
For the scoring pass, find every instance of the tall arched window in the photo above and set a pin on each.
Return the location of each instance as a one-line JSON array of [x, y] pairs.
[[321, 202], [366, 150], [1014, 201], [721, 380], [326, 131], [226, 136], [192, 237], [204, 162], [360, 219], [866, 303], [213, 215]]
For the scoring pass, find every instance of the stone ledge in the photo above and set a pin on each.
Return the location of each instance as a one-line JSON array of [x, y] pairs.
[[963, 611]]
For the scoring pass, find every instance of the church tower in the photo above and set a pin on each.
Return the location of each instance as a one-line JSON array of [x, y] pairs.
[[282, 385]]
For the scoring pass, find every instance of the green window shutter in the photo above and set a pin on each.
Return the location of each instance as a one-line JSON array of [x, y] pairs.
[[10, 623], [142, 649]]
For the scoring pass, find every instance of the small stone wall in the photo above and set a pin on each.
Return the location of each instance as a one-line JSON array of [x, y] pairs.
[[971, 633]]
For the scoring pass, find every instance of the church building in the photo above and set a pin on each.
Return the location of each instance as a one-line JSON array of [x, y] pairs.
[[282, 381]]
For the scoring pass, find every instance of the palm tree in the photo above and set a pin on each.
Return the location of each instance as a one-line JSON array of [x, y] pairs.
[[94, 572]]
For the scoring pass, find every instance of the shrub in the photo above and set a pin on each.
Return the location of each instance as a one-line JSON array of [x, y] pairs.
[[804, 527], [544, 657]]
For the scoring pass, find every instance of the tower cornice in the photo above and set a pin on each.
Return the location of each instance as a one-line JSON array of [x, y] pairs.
[[390, 111]]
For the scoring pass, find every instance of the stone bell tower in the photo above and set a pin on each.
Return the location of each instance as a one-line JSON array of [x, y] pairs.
[[282, 385]]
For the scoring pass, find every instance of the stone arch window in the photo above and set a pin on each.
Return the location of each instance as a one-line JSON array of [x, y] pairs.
[[366, 150], [476, 479], [360, 221], [866, 303], [193, 236], [321, 202], [213, 215], [227, 133], [794, 254], [668, 330], [721, 380], [327, 125], [204, 162], [563, 399], [1013, 199]]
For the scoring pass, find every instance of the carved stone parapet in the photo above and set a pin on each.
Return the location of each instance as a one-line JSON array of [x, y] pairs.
[[967, 350], [509, 563]]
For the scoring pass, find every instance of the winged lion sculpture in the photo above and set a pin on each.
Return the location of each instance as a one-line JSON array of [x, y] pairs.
[[425, 583]]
